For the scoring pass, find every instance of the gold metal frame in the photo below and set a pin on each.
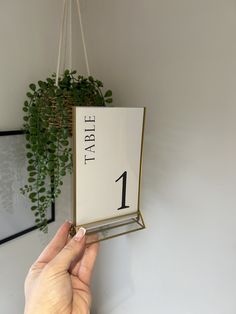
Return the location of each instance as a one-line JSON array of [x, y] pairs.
[[103, 227]]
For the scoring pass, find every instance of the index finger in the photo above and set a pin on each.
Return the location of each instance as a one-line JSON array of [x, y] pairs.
[[87, 262], [55, 245]]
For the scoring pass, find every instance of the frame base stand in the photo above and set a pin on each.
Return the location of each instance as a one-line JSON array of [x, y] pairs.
[[111, 228]]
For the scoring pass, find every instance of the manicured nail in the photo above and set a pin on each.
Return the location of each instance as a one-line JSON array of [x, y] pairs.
[[80, 234], [69, 222]]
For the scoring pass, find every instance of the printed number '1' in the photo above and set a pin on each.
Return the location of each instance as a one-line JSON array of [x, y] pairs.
[[124, 177]]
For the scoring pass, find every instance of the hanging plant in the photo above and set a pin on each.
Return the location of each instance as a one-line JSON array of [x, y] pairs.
[[47, 126]]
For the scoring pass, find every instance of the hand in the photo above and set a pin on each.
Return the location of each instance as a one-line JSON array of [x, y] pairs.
[[58, 282]]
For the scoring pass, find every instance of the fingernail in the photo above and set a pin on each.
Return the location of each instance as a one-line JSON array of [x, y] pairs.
[[80, 234], [69, 222]]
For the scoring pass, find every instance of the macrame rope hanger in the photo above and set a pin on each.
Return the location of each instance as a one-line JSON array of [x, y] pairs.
[[70, 34], [83, 39], [67, 6]]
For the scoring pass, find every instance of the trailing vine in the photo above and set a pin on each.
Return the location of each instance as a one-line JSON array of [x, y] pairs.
[[47, 126]]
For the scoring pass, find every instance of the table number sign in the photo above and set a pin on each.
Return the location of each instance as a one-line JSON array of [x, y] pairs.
[[107, 152]]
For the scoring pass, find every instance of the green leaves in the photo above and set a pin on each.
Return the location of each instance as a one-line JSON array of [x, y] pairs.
[[30, 95], [65, 143], [31, 180], [52, 147], [107, 97], [66, 73], [42, 199], [31, 168], [32, 195], [64, 158], [51, 165], [42, 85], [63, 173], [109, 100], [33, 87], [47, 118], [108, 93], [42, 190], [29, 155]]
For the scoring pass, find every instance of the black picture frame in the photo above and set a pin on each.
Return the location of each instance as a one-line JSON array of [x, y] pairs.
[[30, 228]]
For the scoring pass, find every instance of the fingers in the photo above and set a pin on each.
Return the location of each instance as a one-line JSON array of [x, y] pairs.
[[56, 244], [74, 267], [88, 261], [73, 250]]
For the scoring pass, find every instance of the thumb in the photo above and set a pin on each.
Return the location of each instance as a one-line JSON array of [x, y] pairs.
[[73, 250]]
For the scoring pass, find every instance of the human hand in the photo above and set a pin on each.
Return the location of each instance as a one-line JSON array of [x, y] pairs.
[[58, 281]]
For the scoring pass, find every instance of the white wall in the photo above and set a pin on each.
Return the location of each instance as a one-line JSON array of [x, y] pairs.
[[177, 58], [29, 35]]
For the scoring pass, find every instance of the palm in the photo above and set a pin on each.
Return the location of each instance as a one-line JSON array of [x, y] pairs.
[[64, 291], [81, 295]]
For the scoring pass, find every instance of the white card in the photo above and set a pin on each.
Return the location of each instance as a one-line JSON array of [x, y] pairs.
[[107, 159]]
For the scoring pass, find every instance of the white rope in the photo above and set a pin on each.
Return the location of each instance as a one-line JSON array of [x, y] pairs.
[[83, 40], [67, 10], [70, 35], [65, 40], [60, 40]]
